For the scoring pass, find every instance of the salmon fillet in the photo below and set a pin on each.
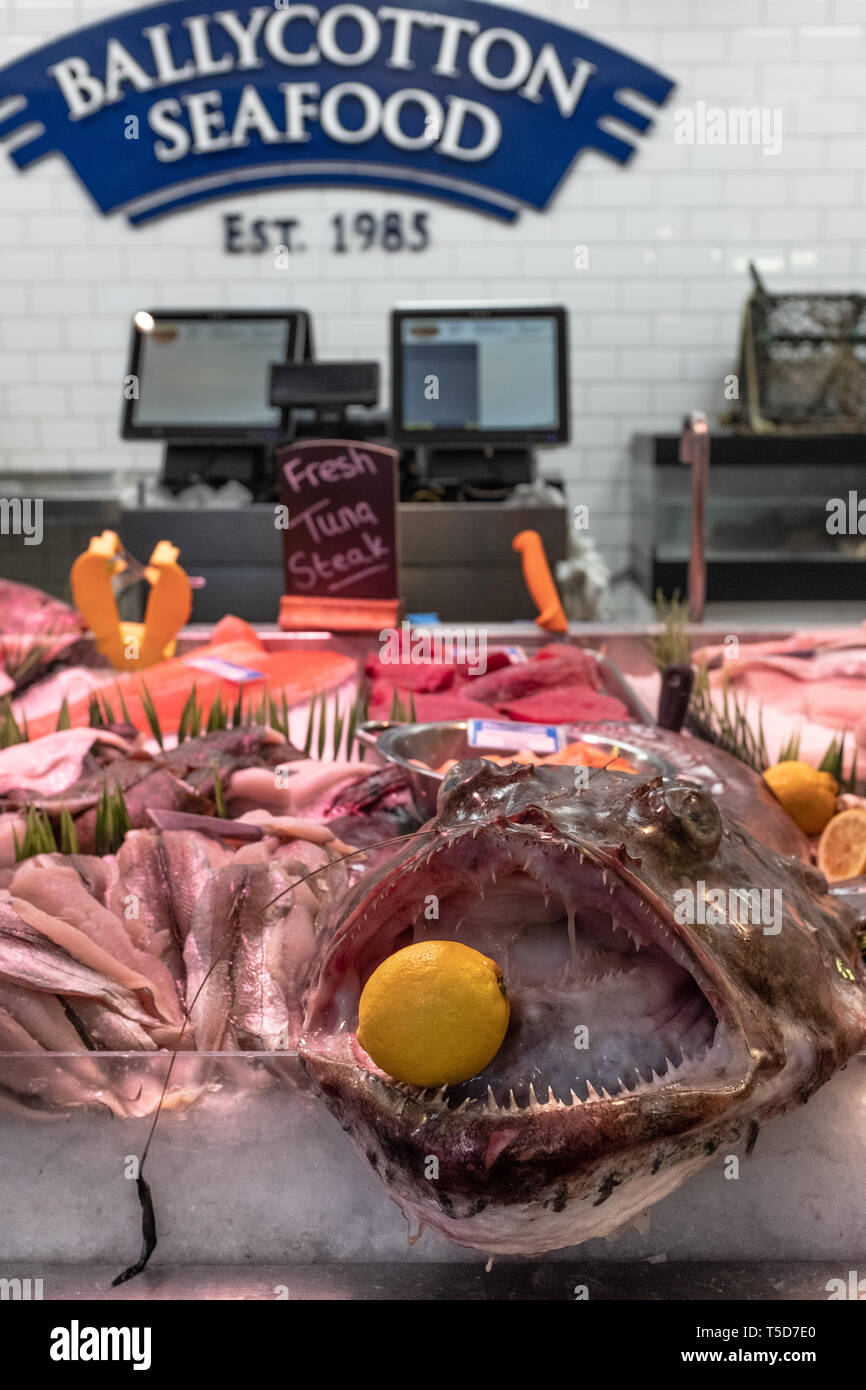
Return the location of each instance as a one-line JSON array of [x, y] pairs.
[[298, 674]]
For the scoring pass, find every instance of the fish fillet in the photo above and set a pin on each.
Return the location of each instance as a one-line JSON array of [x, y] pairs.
[[296, 674]]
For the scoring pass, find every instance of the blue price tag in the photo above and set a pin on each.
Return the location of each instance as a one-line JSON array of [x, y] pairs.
[[499, 736]]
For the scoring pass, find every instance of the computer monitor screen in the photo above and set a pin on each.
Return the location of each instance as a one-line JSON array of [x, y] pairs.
[[489, 374], [207, 375]]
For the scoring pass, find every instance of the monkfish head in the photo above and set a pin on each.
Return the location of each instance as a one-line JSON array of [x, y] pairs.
[[673, 982]]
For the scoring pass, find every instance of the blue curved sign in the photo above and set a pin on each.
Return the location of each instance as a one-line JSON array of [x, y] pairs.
[[178, 103]]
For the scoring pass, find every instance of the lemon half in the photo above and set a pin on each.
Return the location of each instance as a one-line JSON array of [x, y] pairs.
[[809, 796]]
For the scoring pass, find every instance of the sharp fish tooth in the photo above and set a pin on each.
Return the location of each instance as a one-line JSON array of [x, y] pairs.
[[551, 1098], [591, 1092], [491, 1100], [512, 1103], [575, 1099], [533, 1098]]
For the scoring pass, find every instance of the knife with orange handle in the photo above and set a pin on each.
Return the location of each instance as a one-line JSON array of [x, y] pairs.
[[540, 582]]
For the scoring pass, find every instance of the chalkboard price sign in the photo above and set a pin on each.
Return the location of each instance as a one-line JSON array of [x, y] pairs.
[[340, 536]]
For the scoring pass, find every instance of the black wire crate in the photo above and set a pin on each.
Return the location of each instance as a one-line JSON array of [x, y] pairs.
[[802, 362]]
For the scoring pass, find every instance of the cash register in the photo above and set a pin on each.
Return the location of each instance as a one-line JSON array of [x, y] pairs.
[[475, 391], [198, 381]]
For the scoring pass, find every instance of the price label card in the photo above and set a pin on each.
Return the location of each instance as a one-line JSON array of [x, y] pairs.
[[499, 736], [226, 670]]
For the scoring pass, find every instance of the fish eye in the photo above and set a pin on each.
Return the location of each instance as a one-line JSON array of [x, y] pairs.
[[698, 815]]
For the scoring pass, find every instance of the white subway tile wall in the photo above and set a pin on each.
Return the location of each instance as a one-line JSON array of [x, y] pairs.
[[654, 315]]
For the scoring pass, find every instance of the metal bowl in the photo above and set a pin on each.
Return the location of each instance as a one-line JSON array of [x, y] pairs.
[[434, 744]]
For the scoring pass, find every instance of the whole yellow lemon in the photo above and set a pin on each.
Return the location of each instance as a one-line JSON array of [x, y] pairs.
[[434, 1013], [809, 796]]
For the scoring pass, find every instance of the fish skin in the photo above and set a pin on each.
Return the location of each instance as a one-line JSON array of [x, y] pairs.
[[207, 961], [53, 1001], [28, 1075], [28, 957], [527, 1179], [165, 875], [260, 1013], [43, 1016], [39, 1023], [313, 901], [51, 888], [98, 873], [231, 954], [743, 796], [107, 1031], [193, 898]]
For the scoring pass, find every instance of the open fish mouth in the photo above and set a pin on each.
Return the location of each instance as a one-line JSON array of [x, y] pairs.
[[608, 1003], [642, 1037]]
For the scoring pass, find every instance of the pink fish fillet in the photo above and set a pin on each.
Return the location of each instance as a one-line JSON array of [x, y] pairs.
[[826, 639], [824, 666], [300, 788], [837, 702], [50, 896], [47, 696], [52, 763]]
